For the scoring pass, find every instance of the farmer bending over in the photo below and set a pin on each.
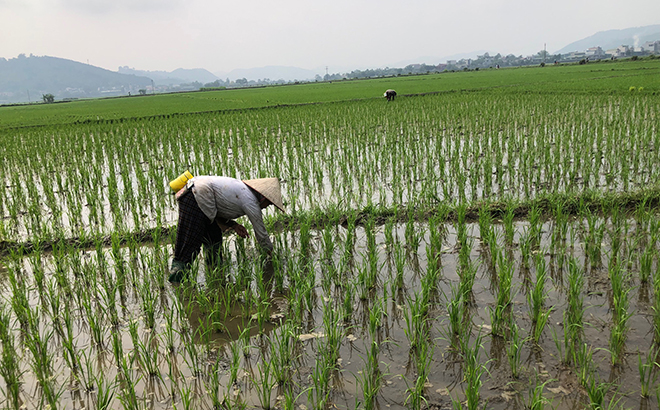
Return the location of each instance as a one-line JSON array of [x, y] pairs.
[[207, 207]]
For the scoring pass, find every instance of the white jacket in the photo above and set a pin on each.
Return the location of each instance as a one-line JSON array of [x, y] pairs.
[[222, 198]]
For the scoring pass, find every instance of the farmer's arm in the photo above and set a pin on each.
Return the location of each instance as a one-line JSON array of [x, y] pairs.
[[253, 212]]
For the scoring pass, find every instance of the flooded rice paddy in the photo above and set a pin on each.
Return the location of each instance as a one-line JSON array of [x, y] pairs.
[[359, 315]]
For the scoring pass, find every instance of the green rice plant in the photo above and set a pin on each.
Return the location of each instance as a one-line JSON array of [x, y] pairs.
[[333, 330], [513, 349], [461, 225], [399, 263], [318, 394], [127, 383], [468, 274], [10, 369], [596, 391], [509, 229], [347, 302], [574, 313], [646, 264], [437, 229], [535, 399], [560, 227], [583, 359], [536, 300], [486, 231], [37, 342], [422, 357], [376, 313], [186, 394], [148, 355], [349, 241], [430, 281], [525, 248], [464, 254], [265, 384], [621, 315], [305, 238], [117, 346], [109, 292], [68, 341], [648, 373], [370, 377], [283, 347], [473, 370], [415, 314], [456, 312], [88, 371], [234, 361], [500, 314], [104, 393], [413, 235], [290, 399]]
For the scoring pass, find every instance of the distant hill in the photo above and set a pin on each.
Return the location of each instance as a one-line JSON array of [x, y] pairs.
[[610, 39], [24, 78], [273, 73], [178, 76]]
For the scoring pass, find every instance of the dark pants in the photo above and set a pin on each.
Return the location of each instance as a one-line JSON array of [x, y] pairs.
[[193, 231]]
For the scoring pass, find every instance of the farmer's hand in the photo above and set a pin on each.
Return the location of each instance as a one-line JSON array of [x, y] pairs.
[[241, 231]]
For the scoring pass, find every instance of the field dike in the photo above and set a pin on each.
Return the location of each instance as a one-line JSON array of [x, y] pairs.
[[593, 201]]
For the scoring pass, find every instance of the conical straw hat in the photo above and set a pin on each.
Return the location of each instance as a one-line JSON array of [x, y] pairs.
[[269, 188]]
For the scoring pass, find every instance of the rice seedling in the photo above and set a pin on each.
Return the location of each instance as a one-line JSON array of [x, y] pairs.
[[583, 359], [283, 353], [473, 371], [648, 373], [509, 229], [104, 393], [416, 320], [423, 357], [399, 263], [574, 313], [500, 314], [539, 315], [9, 363], [513, 349], [596, 391], [456, 312], [620, 302], [265, 384], [535, 398]]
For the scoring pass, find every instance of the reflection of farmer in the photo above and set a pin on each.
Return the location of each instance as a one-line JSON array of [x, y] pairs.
[[390, 94], [207, 207]]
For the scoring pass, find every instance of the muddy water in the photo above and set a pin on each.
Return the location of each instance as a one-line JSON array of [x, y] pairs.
[[189, 346]]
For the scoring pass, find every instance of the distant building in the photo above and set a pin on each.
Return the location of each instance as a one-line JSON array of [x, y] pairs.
[[575, 55], [623, 51], [595, 52], [651, 47]]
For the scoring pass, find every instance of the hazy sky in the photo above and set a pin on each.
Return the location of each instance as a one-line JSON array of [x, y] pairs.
[[221, 35]]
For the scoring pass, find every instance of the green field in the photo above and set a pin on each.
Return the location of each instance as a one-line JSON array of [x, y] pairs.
[[490, 239], [602, 77]]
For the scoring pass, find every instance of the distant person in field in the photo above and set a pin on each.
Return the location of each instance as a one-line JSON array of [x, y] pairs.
[[390, 94], [208, 206]]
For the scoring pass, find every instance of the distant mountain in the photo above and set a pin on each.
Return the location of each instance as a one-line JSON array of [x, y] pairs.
[[610, 39], [273, 73], [24, 79], [176, 77]]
